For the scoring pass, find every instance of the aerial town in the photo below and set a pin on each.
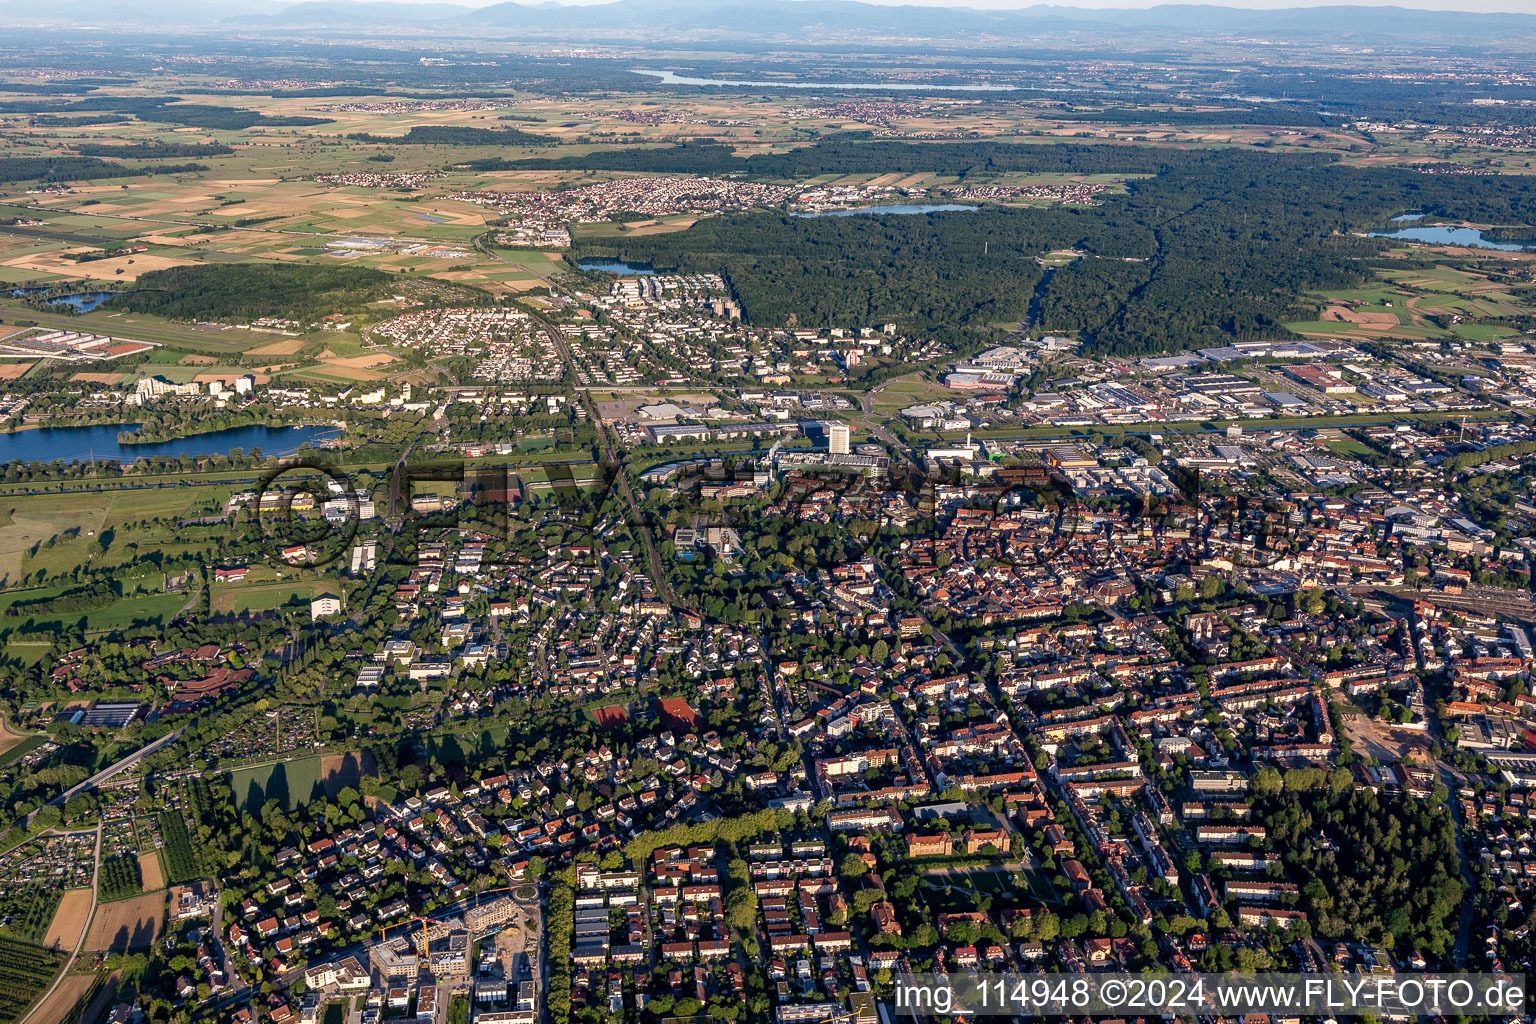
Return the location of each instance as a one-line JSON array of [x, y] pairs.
[[508, 519]]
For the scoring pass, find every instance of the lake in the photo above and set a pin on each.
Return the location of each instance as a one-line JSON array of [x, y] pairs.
[[672, 78], [82, 302], [893, 208], [616, 267], [100, 443], [1442, 235]]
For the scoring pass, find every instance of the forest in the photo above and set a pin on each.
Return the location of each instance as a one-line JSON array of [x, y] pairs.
[[77, 168], [932, 273], [1271, 114], [1372, 869], [297, 291], [456, 135], [152, 150], [1216, 247], [857, 153], [163, 109]]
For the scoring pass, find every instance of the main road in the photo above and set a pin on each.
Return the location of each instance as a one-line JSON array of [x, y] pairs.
[[614, 464]]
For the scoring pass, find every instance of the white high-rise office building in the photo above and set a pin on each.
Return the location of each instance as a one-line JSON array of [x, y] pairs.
[[837, 438]]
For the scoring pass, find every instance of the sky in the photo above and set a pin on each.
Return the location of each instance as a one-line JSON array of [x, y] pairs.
[[1481, 6]]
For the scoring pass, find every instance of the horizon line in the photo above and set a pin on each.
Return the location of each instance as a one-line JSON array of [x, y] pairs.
[[1524, 8]]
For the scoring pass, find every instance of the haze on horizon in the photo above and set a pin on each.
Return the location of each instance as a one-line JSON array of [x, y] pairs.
[[1468, 6]]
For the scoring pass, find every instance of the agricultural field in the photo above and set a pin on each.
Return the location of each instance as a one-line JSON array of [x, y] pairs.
[[1455, 299], [129, 924], [26, 970], [150, 872], [270, 198], [65, 1000], [69, 922]]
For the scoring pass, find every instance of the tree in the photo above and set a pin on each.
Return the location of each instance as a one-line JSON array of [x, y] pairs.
[[963, 933], [852, 867], [864, 899], [410, 778]]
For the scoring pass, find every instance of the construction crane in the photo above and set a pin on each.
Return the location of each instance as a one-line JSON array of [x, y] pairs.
[[426, 943], [426, 946]]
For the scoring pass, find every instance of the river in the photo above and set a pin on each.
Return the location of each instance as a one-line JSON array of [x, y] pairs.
[[100, 443], [1037, 298], [673, 78]]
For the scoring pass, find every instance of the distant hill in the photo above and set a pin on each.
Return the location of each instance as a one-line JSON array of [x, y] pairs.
[[787, 21]]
